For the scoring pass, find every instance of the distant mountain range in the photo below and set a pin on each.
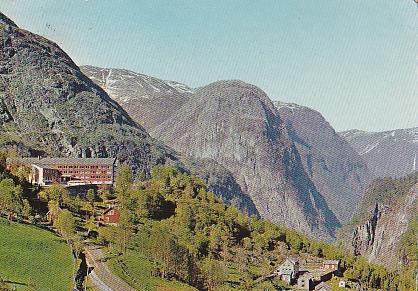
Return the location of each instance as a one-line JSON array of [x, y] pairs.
[[387, 154]]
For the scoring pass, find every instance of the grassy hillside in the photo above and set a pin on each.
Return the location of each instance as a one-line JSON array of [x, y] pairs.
[[30, 254], [136, 269]]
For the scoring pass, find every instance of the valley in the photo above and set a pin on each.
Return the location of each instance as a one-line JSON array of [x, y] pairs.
[[112, 179]]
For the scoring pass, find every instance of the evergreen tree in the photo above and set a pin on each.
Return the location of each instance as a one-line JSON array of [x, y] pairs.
[[214, 273], [123, 183]]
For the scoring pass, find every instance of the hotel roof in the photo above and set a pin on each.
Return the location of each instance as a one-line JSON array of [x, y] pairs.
[[62, 161]]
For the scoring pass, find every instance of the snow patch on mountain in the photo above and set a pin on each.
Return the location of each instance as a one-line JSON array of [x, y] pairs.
[[389, 153]]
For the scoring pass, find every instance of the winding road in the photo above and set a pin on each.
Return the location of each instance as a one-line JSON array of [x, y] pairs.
[[101, 277]]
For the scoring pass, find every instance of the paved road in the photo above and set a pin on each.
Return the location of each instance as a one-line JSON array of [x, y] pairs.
[[101, 277]]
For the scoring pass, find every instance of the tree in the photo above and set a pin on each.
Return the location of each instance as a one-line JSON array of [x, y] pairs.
[[53, 210], [90, 225], [57, 192], [104, 192], [123, 183], [10, 198], [23, 173], [171, 258], [65, 225], [214, 273], [26, 208], [148, 203], [124, 228], [42, 195], [91, 195]]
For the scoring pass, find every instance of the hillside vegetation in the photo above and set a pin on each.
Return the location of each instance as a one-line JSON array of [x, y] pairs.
[[182, 232]]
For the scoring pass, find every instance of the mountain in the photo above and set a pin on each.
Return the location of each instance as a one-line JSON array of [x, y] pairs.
[[337, 171], [48, 107], [387, 154], [385, 223], [236, 125], [148, 100]]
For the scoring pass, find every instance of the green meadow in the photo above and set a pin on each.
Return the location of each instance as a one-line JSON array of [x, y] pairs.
[[32, 255]]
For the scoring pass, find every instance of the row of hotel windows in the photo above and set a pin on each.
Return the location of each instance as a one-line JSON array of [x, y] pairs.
[[94, 177], [83, 167], [89, 172]]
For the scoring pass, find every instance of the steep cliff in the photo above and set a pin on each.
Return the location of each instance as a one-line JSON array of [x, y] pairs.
[[387, 211], [236, 125], [337, 171]]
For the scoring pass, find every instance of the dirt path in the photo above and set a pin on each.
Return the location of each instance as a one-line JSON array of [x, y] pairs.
[[101, 277]]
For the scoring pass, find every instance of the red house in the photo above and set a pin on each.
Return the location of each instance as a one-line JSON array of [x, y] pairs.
[[110, 216]]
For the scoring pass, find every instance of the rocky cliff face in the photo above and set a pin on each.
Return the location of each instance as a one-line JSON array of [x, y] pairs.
[[236, 125], [387, 154], [47, 103], [383, 217], [49, 107], [337, 171], [148, 100]]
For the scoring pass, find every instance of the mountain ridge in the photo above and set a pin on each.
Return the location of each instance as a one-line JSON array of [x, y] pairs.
[[228, 115], [336, 169], [391, 153], [127, 87]]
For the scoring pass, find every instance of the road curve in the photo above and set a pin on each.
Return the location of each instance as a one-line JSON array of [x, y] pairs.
[[101, 277]]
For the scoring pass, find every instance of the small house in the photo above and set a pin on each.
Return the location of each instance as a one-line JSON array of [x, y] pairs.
[[332, 265], [323, 287], [341, 284], [110, 216], [305, 281], [289, 270]]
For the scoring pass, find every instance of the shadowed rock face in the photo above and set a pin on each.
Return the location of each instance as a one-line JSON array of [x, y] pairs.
[[49, 107], [384, 215], [337, 171], [387, 154], [236, 125], [148, 100]]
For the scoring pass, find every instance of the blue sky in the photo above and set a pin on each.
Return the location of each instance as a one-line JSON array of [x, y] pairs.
[[353, 60]]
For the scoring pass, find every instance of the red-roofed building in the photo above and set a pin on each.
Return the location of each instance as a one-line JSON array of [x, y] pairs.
[[110, 216]]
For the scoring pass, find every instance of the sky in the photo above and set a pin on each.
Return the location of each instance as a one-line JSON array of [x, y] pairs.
[[355, 61]]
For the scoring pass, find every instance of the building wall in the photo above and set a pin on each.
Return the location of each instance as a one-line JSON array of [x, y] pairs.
[[45, 174], [96, 174]]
